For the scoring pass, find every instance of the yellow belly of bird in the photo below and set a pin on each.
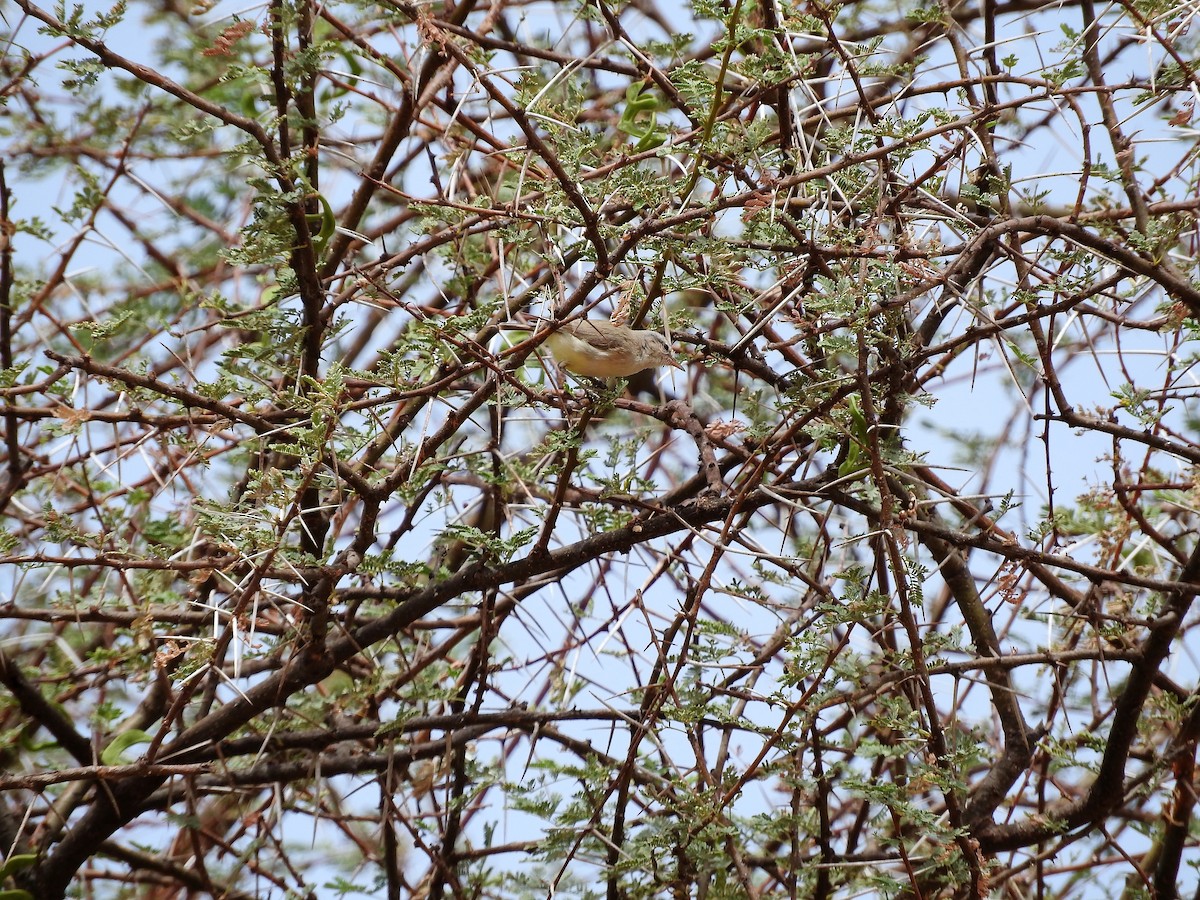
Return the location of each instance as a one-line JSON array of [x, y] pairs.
[[583, 359]]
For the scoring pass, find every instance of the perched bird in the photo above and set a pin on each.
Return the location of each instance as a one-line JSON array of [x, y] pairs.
[[599, 349]]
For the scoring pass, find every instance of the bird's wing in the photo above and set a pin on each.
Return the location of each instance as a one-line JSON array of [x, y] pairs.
[[601, 338]]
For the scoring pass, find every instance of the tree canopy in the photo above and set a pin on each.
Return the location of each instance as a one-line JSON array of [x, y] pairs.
[[322, 579]]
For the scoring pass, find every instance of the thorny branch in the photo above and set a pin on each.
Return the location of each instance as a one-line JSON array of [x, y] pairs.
[[891, 589]]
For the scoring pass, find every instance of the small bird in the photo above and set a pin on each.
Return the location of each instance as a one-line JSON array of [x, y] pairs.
[[599, 349]]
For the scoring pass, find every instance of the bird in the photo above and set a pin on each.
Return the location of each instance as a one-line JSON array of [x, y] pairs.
[[600, 349]]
